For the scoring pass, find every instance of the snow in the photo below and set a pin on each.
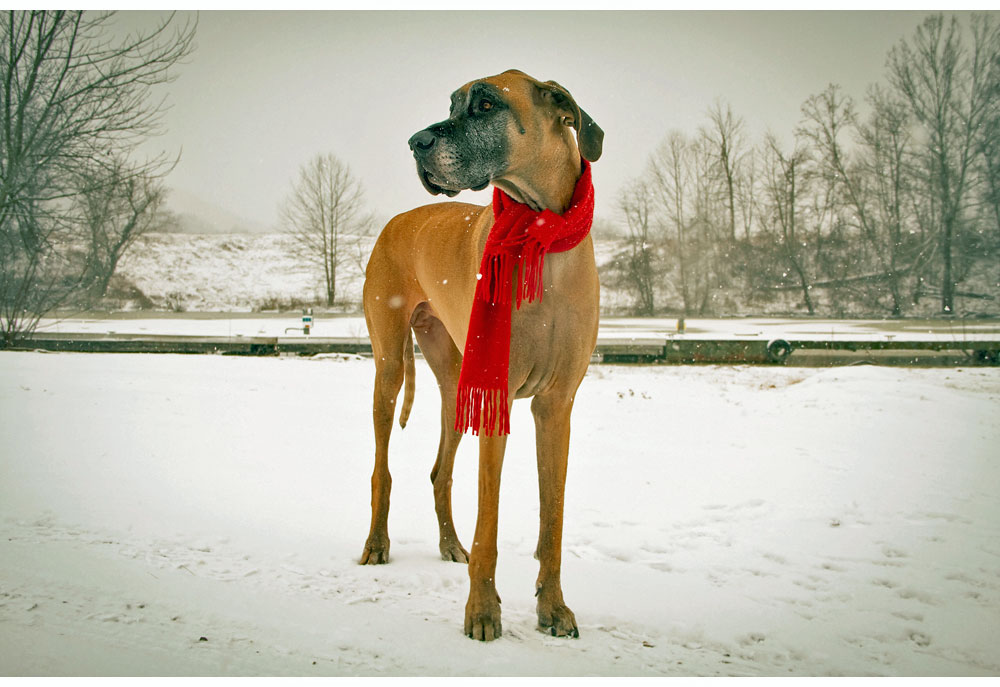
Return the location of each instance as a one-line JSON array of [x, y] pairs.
[[203, 515], [236, 272]]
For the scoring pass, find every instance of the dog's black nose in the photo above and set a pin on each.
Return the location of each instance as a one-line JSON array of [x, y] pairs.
[[422, 140]]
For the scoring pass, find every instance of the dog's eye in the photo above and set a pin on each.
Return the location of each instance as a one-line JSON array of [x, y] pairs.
[[485, 105]]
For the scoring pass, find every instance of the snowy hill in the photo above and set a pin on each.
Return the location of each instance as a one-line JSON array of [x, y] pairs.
[[246, 272], [232, 272]]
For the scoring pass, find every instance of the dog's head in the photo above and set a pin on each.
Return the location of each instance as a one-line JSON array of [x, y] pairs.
[[497, 125]]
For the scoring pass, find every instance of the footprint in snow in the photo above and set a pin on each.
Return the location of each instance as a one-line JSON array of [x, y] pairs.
[[654, 548], [753, 638], [752, 503], [833, 567], [891, 552], [775, 558], [930, 515], [888, 584], [758, 573], [970, 581], [917, 595], [662, 567]]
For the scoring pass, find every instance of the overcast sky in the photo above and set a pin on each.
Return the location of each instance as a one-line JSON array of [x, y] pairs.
[[264, 92]]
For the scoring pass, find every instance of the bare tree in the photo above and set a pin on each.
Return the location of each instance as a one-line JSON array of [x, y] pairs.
[[725, 136], [117, 205], [947, 87], [870, 184], [70, 97], [325, 213], [886, 159], [989, 148], [710, 248], [783, 190], [670, 176], [746, 190], [638, 262]]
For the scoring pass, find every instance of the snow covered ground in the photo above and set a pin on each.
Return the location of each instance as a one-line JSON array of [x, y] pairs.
[[175, 515]]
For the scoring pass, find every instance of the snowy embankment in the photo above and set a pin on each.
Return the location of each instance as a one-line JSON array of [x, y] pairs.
[[237, 272], [204, 515], [264, 272], [253, 272]]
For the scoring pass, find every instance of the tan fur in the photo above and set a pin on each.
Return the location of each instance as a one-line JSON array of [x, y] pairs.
[[422, 276]]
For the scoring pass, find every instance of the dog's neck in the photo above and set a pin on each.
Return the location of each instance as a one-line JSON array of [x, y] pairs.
[[552, 191]]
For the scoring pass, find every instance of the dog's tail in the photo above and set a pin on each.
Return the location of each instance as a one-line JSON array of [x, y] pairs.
[[409, 380]]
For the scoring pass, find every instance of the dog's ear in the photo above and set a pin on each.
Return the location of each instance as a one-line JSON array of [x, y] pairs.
[[589, 136]]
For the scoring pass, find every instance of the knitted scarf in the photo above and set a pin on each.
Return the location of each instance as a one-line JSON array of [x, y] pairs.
[[520, 238]]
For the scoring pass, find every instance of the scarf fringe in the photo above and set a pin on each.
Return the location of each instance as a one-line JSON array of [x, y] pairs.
[[483, 409], [494, 286], [498, 275], [530, 271]]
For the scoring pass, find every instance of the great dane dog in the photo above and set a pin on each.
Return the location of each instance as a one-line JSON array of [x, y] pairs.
[[526, 137]]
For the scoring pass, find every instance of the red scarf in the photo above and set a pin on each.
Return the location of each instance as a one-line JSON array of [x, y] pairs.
[[520, 238]]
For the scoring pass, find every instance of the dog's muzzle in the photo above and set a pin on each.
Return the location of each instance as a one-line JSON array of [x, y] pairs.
[[422, 143]]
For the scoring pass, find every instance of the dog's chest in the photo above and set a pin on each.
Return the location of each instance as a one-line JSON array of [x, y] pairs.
[[545, 334]]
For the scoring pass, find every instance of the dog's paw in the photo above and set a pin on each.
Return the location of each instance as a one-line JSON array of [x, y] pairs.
[[376, 551], [482, 617], [453, 551], [557, 620]]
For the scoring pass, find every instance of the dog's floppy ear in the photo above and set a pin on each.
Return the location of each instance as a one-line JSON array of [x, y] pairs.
[[589, 136]]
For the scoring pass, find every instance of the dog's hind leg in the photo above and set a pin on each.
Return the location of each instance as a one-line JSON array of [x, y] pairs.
[[388, 327], [445, 361]]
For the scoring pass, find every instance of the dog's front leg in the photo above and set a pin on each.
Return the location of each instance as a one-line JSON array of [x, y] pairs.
[[552, 413], [482, 612]]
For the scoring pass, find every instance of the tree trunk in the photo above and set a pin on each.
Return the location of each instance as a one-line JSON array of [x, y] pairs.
[[947, 285]]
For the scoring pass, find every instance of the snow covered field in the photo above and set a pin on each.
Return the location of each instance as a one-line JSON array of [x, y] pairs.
[[175, 515]]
